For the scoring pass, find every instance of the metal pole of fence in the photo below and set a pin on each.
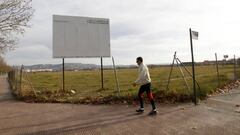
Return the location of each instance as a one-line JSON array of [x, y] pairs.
[[183, 76], [217, 70], [17, 71], [188, 71], [193, 69], [30, 83], [238, 65], [63, 75], [169, 77], [15, 78], [10, 79], [116, 78], [21, 72], [102, 72], [234, 66]]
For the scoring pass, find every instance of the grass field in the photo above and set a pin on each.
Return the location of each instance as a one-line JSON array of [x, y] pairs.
[[87, 83]]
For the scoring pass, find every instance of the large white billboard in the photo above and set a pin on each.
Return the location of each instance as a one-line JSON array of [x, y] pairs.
[[80, 37]]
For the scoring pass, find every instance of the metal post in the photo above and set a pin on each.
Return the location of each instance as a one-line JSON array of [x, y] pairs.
[[63, 76], [21, 74], [184, 67], [30, 83], [234, 66], [13, 76], [185, 80], [169, 77], [188, 71], [115, 74], [193, 69], [16, 78], [102, 72], [217, 70]]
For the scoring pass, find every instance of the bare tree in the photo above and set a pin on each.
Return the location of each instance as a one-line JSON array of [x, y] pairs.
[[14, 18]]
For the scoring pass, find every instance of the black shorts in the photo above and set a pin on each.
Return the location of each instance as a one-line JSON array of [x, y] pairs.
[[147, 88]]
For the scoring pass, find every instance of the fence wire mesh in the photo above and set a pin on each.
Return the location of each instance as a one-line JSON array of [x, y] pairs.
[[87, 83]]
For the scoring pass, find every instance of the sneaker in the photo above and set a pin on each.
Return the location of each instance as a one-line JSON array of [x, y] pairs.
[[153, 112], [140, 110]]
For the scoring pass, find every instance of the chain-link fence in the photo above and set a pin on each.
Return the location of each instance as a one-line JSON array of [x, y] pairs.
[[87, 83], [19, 83]]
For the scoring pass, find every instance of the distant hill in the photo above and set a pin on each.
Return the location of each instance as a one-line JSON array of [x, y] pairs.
[[81, 66], [73, 66], [67, 66]]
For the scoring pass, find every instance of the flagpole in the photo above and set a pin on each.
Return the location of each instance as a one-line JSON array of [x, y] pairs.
[[193, 69]]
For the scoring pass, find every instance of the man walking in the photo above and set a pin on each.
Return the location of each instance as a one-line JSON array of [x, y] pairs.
[[144, 81]]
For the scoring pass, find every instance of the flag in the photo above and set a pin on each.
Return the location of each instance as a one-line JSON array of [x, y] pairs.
[[195, 35]]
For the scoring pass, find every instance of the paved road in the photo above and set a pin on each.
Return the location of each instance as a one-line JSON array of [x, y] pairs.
[[216, 116]]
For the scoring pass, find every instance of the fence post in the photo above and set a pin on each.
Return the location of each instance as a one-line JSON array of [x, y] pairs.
[[238, 65], [63, 75], [102, 73], [12, 79], [30, 83], [234, 66], [115, 75], [217, 70], [169, 77], [15, 78], [21, 72]]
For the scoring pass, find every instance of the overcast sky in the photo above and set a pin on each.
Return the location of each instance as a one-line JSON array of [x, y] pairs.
[[153, 29]]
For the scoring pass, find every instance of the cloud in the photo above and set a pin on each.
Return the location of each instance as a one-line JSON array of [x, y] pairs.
[[153, 29]]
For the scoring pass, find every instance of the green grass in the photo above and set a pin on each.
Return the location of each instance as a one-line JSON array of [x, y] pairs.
[[87, 83]]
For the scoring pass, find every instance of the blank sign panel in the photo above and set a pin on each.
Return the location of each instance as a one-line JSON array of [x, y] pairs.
[[80, 37]]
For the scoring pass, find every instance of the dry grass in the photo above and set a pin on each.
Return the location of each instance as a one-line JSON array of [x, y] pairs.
[[87, 84]]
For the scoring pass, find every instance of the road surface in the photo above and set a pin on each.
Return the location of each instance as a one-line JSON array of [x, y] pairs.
[[218, 115]]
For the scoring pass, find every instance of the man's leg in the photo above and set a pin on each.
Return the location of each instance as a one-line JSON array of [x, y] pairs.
[[140, 96], [150, 96]]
